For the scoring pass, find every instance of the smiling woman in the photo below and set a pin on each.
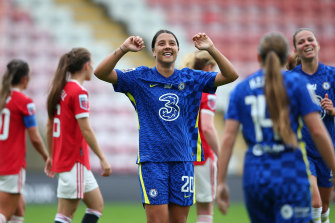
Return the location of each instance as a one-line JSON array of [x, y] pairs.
[[321, 76], [167, 103]]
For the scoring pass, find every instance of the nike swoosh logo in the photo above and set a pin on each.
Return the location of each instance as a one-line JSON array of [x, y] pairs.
[[187, 196], [153, 85]]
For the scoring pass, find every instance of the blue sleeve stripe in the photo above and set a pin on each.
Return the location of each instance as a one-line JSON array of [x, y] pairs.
[[29, 121]]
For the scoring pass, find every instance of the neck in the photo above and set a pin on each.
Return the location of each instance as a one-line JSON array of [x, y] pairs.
[[167, 70], [78, 77], [310, 67], [18, 87]]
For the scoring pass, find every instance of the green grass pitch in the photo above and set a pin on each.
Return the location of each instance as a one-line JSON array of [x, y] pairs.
[[134, 213], [125, 213]]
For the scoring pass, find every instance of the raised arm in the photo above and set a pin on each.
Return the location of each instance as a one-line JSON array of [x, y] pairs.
[[105, 70], [89, 136], [227, 72]]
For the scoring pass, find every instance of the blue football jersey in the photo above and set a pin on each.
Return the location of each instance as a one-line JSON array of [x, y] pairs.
[[323, 81], [248, 106], [167, 110], [275, 176]]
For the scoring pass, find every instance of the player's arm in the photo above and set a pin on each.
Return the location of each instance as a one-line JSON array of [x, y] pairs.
[[91, 140], [321, 138], [105, 70], [48, 164], [34, 135], [209, 130], [229, 136], [227, 72], [37, 142]]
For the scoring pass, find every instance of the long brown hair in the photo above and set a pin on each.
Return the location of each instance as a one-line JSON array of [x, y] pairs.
[[198, 60], [273, 50], [69, 63], [16, 69]]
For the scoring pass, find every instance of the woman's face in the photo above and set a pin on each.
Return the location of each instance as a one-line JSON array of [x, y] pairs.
[[307, 46], [166, 48]]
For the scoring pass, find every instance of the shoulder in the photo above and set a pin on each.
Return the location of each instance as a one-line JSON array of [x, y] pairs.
[[20, 96], [74, 88], [297, 69], [292, 76], [254, 80], [135, 69], [327, 68]]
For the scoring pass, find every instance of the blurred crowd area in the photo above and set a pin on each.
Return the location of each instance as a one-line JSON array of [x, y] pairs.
[[40, 31]]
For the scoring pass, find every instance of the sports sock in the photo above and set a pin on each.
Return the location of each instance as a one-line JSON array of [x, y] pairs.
[[62, 219], [91, 216], [205, 219], [325, 217], [316, 215], [16, 219], [2, 218]]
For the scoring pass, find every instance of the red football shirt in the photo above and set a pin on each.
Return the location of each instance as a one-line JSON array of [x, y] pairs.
[[208, 104], [12, 132], [69, 145]]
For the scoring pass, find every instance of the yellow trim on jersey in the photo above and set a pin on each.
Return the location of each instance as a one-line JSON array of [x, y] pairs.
[[302, 146], [146, 199], [132, 99], [199, 148]]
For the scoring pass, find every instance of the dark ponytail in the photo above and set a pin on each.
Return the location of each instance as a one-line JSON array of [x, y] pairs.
[[16, 69]]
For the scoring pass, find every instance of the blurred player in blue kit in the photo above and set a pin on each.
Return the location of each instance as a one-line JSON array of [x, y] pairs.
[[167, 104], [322, 78], [269, 105]]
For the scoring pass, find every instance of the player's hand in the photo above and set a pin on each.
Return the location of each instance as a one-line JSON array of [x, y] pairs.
[[327, 104], [106, 168], [222, 198], [133, 44], [47, 168], [202, 41]]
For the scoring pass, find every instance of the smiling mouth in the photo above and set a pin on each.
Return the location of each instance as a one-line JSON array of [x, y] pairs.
[[308, 50], [167, 54]]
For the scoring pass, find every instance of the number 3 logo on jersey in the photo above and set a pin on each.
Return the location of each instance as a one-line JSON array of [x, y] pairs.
[[171, 110]]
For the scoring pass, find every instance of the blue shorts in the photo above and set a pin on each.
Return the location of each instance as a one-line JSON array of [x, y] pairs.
[[167, 182], [277, 188], [320, 170]]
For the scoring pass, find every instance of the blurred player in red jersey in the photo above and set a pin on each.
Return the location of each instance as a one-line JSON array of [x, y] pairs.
[[205, 172], [68, 135], [17, 113]]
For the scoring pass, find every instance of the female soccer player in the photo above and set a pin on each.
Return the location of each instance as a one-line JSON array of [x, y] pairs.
[[17, 114], [68, 134], [205, 172], [269, 105], [322, 77], [167, 104]]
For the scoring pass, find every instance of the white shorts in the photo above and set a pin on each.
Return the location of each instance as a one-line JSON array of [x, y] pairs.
[[75, 183], [205, 181], [14, 183]]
